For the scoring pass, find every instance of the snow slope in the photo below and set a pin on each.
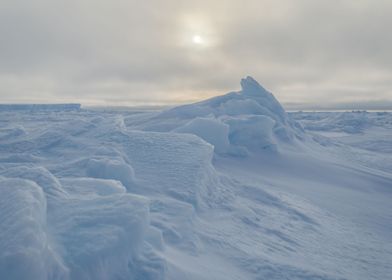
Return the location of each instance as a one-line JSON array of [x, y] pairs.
[[237, 123], [228, 188]]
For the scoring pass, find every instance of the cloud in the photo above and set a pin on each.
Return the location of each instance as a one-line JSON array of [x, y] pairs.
[[133, 52]]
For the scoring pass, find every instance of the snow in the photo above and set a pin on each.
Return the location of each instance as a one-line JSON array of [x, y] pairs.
[[26, 252], [252, 132], [39, 107], [115, 169], [253, 117], [349, 122], [233, 187], [210, 130]]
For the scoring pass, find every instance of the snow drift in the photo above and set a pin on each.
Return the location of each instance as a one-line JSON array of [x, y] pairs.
[[251, 119], [106, 194], [89, 213]]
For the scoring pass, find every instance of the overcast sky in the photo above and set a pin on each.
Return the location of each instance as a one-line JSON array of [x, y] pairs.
[[128, 52]]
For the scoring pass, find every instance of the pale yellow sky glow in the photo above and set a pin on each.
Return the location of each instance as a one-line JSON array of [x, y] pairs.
[[197, 39], [167, 52]]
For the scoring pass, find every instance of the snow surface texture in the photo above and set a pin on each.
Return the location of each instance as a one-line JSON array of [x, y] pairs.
[[238, 123], [229, 188]]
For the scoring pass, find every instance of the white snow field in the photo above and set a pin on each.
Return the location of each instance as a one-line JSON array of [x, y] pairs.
[[229, 188]]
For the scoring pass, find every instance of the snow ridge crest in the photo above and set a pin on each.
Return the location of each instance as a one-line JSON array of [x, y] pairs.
[[249, 86]]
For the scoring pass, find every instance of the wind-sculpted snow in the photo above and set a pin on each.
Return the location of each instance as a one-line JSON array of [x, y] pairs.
[[348, 122], [96, 228], [26, 250], [368, 134], [229, 188], [211, 130], [261, 120], [84, 234]]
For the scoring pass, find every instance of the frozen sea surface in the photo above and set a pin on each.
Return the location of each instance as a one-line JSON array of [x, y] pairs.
[[228, 188]]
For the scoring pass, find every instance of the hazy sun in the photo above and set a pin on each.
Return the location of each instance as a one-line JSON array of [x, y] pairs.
[[197, 39], [196, 33]]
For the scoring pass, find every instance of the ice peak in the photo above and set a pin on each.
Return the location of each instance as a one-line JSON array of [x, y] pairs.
[[250, 86]]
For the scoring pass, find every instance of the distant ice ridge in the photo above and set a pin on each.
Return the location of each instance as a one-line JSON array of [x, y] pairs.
[[40, 107], [234, 123], [349, 122]]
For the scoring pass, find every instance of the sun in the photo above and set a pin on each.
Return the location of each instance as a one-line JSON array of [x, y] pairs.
[[197, 39]]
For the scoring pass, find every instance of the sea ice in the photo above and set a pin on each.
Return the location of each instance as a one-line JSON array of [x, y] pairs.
[[232, 187]]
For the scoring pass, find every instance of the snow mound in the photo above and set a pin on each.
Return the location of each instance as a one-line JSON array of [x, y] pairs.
[[253, 117], [93, 229], [178, 165], [101, 235], [41, 176], [92, 187], [25, 249], [116, 169], [117, 197], [210, 130], [252, 131]]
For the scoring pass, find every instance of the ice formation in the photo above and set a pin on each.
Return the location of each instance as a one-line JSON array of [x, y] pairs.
[[234, 123], [40, 107], [106, 194]]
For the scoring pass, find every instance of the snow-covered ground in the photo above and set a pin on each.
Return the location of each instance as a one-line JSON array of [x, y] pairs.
[[228, 188]]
